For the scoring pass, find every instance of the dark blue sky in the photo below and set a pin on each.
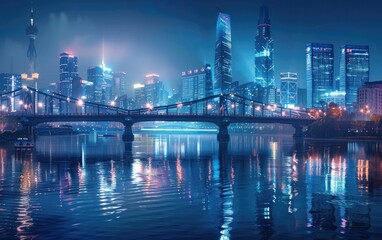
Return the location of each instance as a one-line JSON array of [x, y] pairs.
[[170, 36]]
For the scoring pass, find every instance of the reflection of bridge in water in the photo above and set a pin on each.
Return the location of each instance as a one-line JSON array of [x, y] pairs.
[[35, 107]]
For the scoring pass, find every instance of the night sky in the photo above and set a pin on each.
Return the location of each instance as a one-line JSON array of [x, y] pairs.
[[171, 36]]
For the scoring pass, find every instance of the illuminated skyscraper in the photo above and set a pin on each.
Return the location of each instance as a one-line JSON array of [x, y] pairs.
[[95, 77], [68, 73], [354, 71], [223, 55], [319, 72], [288, 89], [264, 66]]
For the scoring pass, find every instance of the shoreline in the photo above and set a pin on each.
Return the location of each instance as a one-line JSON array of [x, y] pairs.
[[356, 139]]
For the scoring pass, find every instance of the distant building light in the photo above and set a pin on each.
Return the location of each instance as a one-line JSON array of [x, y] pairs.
[[196, 71], [138, 85], [183, 73], [152, 75]]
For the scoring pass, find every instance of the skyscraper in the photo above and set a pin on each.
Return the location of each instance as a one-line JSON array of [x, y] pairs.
[[223, 55], [288, 89], [119, 84], [68, 73], [319, 72], [197, 84], [354, 71], [264, 65], [95, 76]]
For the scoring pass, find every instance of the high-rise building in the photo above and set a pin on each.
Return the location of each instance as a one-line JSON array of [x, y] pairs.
[[319, 72], [354, 71], [8, 83], [68, 73], [264, 65], [119, 84], [139, 96], [369, 99], [156, 95], [223, 55], [102, 78], [95, 76], [197, 84], [288, 89], [301, 97]]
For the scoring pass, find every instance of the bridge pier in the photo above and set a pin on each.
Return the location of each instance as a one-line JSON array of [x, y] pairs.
[[298, 131], [128, 135], [223, 135]]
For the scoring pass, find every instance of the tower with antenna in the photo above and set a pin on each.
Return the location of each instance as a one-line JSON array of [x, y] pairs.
[[30, 78], [31, 31]]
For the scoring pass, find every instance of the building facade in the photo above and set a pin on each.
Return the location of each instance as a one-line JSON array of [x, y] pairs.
[[354, 71], [370, 98], [68, 73], [288, 89], [319, 72], [197, 84], [95, 77], [223, 55], [264, 65]]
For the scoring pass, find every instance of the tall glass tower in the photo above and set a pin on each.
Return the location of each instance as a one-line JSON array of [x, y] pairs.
[[223, 55], [68, 73], [319, 72], [354, 71], [264, 66]]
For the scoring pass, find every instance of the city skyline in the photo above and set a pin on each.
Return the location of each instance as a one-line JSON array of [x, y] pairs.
[[73, 27]]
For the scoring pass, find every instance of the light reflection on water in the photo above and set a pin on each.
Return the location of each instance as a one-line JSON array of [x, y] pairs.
[[189, 187]]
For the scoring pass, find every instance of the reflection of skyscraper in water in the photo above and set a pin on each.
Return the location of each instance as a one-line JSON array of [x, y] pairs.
[[264, 199]]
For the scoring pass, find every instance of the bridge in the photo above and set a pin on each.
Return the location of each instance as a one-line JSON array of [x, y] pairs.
[[31, 107]]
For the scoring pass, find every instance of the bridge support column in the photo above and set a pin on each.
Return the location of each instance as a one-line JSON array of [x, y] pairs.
[[223, 135], [128, 135], [298, 131]]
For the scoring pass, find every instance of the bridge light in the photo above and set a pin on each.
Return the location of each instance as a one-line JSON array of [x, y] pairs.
[[24, 87], [3, 107], [233, 106], [149, 106], [21, 102], [80, 103], [180, 105], [40, 104], [258, 108], [209, 106], [112, 103], [68, 99], [25, 106], [283, 113], [269, 107]]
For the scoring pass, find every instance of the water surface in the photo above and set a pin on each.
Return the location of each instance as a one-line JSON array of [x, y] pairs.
[[189, 187]]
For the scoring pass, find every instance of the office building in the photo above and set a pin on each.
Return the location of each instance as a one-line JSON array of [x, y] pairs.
[[264, 65], [223, 55], [354, 71], [319, 72], [369, 100], [68, 73], [197, 84], [288, 91]]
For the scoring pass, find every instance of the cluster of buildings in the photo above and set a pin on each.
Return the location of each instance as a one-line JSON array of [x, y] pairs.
[[351, 90]]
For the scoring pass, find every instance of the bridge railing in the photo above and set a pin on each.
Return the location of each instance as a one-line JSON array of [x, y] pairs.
[[28, 101]]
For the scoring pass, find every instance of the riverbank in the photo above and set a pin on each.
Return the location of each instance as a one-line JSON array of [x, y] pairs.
[[344, 139]]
